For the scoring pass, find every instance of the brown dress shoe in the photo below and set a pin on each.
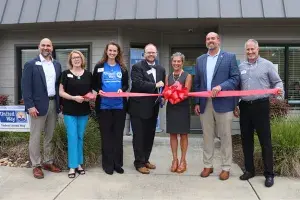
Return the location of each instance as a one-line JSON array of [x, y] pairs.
[[224, 175], [51, 168], [143, 170], [174, 165], [38, 173], [150, 166], [206, 172]]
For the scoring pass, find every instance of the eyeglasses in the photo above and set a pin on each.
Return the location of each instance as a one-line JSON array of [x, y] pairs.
[[74, 58]]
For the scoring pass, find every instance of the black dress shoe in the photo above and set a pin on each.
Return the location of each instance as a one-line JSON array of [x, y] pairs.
[[109, 172], [269, 181], [119, 170], [246, 176]]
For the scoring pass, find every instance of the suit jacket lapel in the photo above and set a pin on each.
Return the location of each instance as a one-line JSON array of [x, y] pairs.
[[204, 64], [41, 70], [220, 57], [57, 70]]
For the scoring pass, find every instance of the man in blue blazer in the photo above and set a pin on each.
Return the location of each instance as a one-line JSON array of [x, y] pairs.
[[216, 71], [40, 82]]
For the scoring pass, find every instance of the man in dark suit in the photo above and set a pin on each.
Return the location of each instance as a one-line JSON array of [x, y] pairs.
[[40, 82], [216, 70], [147, 77]]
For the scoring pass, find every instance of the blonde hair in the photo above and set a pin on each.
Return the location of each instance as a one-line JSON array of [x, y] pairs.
[[83, 65]]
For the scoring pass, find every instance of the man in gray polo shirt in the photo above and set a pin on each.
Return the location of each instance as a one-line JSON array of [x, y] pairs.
[[257, 74]]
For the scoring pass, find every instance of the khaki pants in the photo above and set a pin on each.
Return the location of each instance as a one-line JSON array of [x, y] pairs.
[[37, 125], [216, 124]]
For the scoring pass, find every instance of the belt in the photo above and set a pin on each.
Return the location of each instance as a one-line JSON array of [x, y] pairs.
[[52, 97], [255, 101]]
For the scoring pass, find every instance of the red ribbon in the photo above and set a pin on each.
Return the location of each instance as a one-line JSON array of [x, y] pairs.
[[231, 93]]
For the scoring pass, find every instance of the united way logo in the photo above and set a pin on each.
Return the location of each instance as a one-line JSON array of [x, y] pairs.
[[119, 74], [21, 116]]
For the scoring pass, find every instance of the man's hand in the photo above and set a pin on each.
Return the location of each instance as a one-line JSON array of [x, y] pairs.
[[279, 92], [236, 112], [197, 109], [159, 84], [33, 112], [215, 91]]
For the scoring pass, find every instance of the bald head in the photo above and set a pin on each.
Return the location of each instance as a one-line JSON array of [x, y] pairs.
[[46, 48], [213, 34], [46, 40]]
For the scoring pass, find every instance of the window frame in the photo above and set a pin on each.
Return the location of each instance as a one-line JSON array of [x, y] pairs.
[[18, 61]]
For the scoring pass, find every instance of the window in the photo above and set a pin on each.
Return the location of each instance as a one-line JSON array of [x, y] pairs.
[[294, 75], [60, 53], [287, 57]]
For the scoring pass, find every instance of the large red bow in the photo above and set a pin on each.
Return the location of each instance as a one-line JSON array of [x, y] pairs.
[[175, 93]]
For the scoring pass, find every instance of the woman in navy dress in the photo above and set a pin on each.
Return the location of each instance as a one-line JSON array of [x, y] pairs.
[[178, 115]]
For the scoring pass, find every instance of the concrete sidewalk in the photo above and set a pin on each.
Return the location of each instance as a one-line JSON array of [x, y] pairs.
[[18, 183]]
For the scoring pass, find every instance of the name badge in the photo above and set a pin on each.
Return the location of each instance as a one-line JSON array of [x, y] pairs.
[[70, 75], [38, 63], [243, 72], [149, 72], [101, 70]]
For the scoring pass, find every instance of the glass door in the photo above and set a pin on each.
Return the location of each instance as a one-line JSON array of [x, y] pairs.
[[191, 54]]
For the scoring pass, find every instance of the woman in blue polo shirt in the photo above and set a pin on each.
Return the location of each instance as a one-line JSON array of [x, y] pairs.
[[110, 75]]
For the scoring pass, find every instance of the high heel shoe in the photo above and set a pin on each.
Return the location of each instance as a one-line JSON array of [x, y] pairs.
[[174, 165], [182, 167]]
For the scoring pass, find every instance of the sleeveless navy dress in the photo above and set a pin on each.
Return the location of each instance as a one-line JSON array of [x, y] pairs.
[[178, 115]]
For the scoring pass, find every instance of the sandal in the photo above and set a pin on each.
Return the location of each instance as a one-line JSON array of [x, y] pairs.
[[80, 171], [71, 175]]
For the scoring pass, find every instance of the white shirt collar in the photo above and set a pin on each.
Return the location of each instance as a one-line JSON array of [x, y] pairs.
[[151, 64], [43, 59]]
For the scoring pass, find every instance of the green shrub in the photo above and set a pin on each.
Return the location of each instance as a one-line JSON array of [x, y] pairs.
[[286, 147], [13, 138], [92, 144]]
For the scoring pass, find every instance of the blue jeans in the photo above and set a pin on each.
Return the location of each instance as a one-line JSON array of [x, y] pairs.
[[75, 126]]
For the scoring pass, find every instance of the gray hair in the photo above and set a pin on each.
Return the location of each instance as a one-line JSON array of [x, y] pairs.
[[178, 54], [253, 41]]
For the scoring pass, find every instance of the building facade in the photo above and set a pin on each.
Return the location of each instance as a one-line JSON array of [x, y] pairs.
[[172, 25]]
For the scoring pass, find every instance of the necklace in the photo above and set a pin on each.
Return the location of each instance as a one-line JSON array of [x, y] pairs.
[[177, 77], [78, 74]]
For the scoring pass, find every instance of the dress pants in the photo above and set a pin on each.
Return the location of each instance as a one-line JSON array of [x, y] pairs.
[[112, 123], [47, 124], [143, 137], [256, 116], [216, 124], [75, 126]]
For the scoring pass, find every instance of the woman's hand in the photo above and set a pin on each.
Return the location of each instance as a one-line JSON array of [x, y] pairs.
[[78, 99], [120, 91], [101, 92]]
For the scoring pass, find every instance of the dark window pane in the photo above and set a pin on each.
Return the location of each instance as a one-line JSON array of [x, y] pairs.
[[27, 55], [294, 75], [276, 56]]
